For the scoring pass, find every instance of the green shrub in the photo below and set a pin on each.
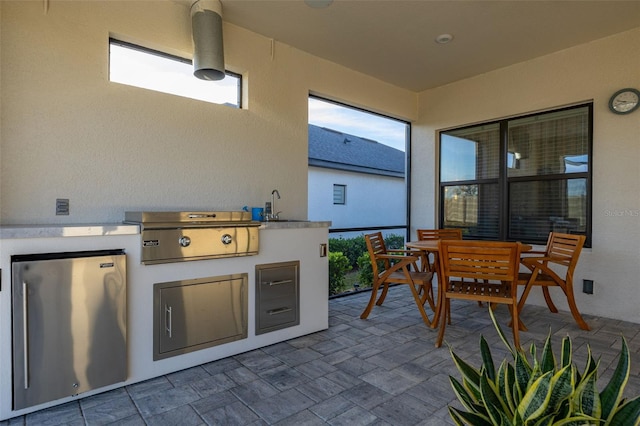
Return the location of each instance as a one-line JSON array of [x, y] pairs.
[[338, 266], [365, 271], [541, 392], [393, 241], [352, 248]]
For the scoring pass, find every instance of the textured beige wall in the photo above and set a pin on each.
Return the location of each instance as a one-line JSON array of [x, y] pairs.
[[592, 71], [67, 132]]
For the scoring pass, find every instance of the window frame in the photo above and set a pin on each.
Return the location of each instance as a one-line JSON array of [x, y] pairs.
[[504, 181], [176, 58], [343, 194]]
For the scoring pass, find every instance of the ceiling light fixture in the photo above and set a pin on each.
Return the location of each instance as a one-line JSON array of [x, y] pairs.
[[318, 4], [444, 38]]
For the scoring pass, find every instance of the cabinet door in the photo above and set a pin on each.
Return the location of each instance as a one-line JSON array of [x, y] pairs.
[[197, 314]]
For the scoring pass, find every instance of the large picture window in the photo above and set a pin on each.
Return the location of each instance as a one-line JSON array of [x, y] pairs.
[[520, 178]]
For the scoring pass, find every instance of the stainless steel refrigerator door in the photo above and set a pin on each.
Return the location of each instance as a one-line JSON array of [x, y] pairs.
[[69, 327]]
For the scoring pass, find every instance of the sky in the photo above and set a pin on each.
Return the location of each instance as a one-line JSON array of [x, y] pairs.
[[358, 123]]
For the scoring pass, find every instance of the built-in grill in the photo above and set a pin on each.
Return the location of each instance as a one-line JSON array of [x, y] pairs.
[[183, 236]]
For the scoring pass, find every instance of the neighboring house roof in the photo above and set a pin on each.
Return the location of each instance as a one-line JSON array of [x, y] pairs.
[[336, 150]]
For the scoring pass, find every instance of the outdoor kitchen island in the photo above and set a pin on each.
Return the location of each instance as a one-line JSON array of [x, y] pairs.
[[280, 244]]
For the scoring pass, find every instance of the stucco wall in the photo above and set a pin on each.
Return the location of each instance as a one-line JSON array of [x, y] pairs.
[[67, 132], [371, 200], [592, 71]]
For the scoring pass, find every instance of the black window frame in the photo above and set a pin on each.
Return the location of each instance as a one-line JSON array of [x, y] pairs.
[[504, 182]]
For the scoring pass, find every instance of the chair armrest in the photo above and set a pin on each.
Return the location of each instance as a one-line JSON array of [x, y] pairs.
[[540, 267], [397, 257], [405, 251]]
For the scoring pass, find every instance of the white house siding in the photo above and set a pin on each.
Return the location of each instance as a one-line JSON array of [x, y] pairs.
[[371, 200]]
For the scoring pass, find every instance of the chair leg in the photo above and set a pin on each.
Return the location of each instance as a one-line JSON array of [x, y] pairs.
[[420, 305], [574, 309], [547, 298], [383, 295], [372, 300], [443, 321], [515, 321]]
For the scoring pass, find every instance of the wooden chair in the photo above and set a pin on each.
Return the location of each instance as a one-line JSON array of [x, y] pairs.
[[483, 271], [394, 267], [563, 251], [436, 234]]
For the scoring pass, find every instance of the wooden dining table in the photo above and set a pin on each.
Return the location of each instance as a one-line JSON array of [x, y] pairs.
[[431, 247]]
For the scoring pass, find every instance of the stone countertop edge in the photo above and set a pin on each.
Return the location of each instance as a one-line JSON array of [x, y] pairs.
[[8, 232], [295, 224]]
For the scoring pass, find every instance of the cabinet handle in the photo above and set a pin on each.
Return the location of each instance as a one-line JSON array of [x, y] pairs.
[[279, 311], [272, 283], [167, 320], [25, 332]]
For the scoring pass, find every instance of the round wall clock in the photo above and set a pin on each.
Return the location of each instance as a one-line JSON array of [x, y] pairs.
[[624, 101]]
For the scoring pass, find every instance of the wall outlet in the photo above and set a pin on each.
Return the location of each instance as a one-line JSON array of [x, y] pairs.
[[587, 286], [62, 207]]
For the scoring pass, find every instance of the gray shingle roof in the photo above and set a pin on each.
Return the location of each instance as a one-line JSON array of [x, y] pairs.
[[336, 150]]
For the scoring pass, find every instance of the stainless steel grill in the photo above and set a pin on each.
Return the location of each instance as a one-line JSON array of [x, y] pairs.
[[184, 236]]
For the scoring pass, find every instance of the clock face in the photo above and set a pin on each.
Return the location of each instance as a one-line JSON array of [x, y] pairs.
[[624, 101]]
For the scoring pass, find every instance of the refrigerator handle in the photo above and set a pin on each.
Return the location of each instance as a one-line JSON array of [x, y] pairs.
[[25, 331]]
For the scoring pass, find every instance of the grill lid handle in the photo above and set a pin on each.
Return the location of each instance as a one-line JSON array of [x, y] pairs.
[[200, 215]]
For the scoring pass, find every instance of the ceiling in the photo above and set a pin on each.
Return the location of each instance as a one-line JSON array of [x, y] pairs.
[[394, 40]]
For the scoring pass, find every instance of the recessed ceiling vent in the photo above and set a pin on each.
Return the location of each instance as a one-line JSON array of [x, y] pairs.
[[208, 50]]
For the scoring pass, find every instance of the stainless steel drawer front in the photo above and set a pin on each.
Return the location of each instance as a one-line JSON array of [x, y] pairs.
[[277, 296]]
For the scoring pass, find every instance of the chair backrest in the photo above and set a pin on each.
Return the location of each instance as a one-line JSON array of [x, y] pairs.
[[480, 260], [439, 234], [375, 247], [565, 249]]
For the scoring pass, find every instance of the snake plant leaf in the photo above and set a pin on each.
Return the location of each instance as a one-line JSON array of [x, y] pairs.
[[577, 421], [564, 411], [547, 359], [627, 414], [544, 421], [487, 359], [611, 394], [462, 418], [491, 399], [506, 381], [503, 337], [590, 366], [561, 387], [463, 395], [523, 373], [468, 372], [566, 354], [533, 402], [587, 398]]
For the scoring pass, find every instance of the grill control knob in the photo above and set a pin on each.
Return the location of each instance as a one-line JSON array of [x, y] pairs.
[[226, 239], [184, 241]]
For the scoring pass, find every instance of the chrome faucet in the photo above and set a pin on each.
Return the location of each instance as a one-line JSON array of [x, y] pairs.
[[274, 212]]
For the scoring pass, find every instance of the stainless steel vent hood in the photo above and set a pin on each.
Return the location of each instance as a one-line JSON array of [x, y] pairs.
[[208, 49]]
